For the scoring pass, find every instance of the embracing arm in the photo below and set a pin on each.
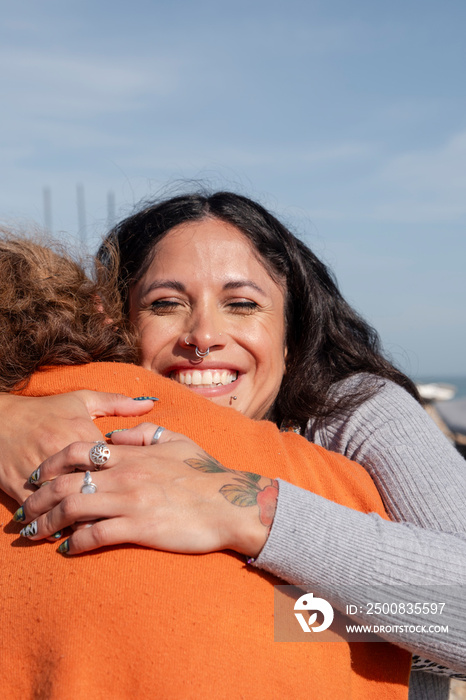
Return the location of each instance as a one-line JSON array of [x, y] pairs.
[[352, 558], [343, 555]]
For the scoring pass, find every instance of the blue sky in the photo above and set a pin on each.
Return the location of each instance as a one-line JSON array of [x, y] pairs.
[[348, 120]]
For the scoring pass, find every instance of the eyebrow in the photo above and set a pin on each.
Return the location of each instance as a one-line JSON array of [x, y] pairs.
[[179, 287], [164, 284], [237, 284]]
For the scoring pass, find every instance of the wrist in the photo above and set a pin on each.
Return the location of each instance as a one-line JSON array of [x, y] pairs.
[[253, 524]]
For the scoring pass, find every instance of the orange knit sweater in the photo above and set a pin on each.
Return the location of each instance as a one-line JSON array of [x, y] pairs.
[[130, 622]]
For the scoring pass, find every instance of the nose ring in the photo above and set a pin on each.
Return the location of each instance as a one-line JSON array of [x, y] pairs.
[[199, 353]]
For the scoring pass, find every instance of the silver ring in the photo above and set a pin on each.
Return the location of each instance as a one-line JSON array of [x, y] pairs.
[[157, 435], [99, 454], [88, 485]]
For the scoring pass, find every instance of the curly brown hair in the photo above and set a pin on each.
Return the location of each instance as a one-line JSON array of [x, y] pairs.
[[52, 313]]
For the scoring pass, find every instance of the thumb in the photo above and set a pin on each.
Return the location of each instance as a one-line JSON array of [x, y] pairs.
[[100, 403]]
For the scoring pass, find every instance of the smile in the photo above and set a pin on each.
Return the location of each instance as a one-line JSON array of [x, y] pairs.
[[207, 377]]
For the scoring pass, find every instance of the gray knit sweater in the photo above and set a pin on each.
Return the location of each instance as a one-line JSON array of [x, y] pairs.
[[351, 557]]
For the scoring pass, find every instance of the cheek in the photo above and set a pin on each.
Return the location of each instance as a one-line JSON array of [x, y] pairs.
[[278, 368], [149, 341], [271, 357]]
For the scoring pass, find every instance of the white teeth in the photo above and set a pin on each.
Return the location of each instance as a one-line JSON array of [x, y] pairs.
[[197, 378], [205, 377]]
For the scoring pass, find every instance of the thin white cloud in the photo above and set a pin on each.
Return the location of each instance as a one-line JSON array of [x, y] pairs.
[[425, 186], [62, 85], [280, 157], [430, 172]]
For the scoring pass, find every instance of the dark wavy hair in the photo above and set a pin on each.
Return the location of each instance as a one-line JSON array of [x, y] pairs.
[[327, 340], [52, 313]]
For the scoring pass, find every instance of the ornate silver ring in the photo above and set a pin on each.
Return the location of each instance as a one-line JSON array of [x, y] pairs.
[[99, 454]]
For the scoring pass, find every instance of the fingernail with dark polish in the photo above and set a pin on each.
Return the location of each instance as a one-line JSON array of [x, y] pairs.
[[119, 430], [64, 548], [30, 530], [145, 398], [35, 476], [20, 515], [57, 535]]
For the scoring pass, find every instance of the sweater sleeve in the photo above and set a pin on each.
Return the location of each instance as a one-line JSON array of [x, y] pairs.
[[350, 557]]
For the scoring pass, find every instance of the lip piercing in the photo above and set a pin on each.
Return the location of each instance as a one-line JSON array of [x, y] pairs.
[[199, 353], [232, 398]]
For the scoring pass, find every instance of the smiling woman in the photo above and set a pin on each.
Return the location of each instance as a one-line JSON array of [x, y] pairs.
[[234, 240], [207, 289]]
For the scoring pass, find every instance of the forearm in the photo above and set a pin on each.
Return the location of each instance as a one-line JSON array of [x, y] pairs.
[[349, 558]]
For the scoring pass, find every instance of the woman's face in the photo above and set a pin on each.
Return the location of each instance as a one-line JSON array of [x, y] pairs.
[[206, 287]]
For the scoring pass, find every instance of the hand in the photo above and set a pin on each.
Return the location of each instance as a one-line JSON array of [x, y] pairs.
[[33, 428], [170, 496]]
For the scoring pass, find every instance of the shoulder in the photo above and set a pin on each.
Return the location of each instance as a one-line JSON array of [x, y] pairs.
[[382, 392], [403, 450], [388, 410]]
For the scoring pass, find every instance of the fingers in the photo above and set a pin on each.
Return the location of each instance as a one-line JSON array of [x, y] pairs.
[[52, 494], [101, 534], [143, 434], [61, 503], [74, 456], [77, 455], [100, 403]]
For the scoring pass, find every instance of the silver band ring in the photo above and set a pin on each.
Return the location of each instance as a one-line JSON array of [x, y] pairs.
[[99, 454], [157, 435], [88, 485]]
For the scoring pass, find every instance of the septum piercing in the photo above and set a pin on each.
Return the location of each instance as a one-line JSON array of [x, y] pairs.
[[199, 353]]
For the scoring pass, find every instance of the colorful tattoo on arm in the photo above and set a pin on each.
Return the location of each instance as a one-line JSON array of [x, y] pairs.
[[246, 491]]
